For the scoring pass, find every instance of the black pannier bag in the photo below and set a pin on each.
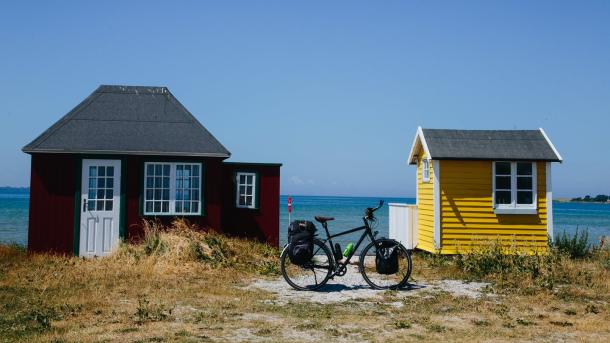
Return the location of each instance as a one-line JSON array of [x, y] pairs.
[[300, 238], [386, 258]]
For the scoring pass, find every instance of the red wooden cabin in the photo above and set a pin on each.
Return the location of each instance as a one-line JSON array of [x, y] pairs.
[[128, 153]]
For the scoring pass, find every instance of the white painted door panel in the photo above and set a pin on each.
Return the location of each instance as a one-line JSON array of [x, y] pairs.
[[100, 207]]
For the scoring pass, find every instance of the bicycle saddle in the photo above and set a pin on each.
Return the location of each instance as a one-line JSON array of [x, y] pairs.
[[324, 219]]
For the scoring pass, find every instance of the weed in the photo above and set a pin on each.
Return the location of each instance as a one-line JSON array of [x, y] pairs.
[[402, 324], [524, 322], [147, 312], [481, 322], [577, 246], [560, 323]]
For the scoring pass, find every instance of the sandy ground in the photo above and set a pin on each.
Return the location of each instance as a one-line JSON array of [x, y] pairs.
[[352, 286]]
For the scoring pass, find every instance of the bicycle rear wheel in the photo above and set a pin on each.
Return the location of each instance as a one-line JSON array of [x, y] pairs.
[[376, 280], [313, 274]]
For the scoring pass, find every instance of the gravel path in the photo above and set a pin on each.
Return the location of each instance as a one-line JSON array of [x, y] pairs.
[[352, 286]]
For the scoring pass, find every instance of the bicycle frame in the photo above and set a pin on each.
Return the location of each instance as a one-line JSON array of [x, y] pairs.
[[329, 238]]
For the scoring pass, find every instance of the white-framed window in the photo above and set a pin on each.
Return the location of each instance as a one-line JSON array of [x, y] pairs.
[[246, 190], [514, 187], [172, 188], [425, 170]]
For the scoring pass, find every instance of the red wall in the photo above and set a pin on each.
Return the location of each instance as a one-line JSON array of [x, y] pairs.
[[262, 223], [52, 188], [54, 182]]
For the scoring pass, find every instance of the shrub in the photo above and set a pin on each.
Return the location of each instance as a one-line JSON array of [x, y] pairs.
[[577, 246]]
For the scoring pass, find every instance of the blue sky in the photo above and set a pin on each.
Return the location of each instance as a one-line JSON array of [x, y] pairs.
[[333, 89]]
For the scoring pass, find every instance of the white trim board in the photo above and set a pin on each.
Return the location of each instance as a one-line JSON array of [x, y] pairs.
[[549, 201], [552, 146], [436, 172], [419, 135]]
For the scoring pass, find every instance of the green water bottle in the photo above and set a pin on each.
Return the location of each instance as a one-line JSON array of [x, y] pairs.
[[348, 249]]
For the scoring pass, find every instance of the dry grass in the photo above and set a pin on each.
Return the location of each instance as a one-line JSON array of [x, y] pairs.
[[180, 284]]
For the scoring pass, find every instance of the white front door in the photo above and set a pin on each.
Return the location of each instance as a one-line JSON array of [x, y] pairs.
[[100, 207]]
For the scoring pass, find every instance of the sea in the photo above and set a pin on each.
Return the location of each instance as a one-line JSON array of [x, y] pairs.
[[347, 211]]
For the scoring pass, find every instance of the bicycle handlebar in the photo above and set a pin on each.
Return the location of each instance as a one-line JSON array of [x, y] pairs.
[[368, 214]]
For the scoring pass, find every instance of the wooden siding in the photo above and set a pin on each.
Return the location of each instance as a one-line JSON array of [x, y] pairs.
[[467, 218], [51, 216], [425, 208]]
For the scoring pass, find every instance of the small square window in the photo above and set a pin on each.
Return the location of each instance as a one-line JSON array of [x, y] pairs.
[[246, 190]]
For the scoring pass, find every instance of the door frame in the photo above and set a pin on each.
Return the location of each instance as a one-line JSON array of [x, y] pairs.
[[78, 193]]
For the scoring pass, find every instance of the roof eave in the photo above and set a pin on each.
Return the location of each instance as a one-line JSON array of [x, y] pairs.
[[114, 152]]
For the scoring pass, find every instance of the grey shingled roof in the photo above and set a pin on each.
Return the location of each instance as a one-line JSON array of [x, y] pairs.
[[490, 144], [129, 120]]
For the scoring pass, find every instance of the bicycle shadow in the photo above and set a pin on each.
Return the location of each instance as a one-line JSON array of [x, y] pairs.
[[338, 287]]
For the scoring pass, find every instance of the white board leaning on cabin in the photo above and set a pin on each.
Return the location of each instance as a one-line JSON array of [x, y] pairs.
[[403, 224]]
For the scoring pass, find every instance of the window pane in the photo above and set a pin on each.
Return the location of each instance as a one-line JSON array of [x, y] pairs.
[[109, 171], [195, 182], [157, 206], [242, 200], [249, 179], [92, 194], [100, 205], [158, 182], [502, 182], [242, 190], [92, 182], [249, 190], [178, 195], [186, 195], [166, 182], [165, 194], [101, 171], [165, 206], [157, 194], [195, 170], [187, 183], [109, 194], [502, 168], [195, 195], [149, 194], [166, 170], [108, 205], [93, 171], [242, 179], [91, 205], [100, 194], [249, 201], [179, 170], [101, 182], [178, 206], [179, 183], [524, 168], [525, 197], [524, 182], [158, 170], [109, 182], [195, 207], [150, 170], [503, 197], [149, 206], [187, 207], [150, 182]]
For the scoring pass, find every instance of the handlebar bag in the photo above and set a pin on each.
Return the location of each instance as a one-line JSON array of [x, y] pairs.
[[300, 239], [386, 258]]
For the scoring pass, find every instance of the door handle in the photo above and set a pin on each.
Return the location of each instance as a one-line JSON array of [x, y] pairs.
[[84, 205]]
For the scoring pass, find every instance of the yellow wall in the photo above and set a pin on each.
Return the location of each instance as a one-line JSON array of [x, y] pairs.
[[467, 216], [425, 208]]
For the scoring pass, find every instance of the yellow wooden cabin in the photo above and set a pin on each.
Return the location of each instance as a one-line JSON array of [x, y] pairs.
[[477, 186]]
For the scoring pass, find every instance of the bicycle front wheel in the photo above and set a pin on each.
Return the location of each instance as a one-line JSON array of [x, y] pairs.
[[312, 275], [377, 280]]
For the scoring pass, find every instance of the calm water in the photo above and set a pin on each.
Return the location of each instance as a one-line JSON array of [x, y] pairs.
[[347, 211]]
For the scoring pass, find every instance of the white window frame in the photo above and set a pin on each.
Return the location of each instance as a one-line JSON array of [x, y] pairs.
[[425, 170], [172, 190], [254, 190], [513, 207]]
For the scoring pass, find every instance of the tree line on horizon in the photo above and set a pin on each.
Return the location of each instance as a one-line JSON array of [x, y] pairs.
[[588, 198]]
